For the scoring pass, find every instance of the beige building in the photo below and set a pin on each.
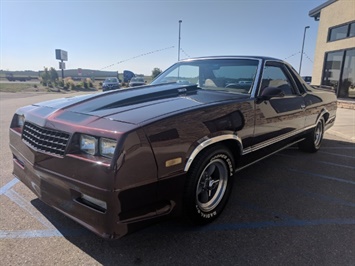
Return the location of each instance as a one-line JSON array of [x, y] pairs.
[[334, 60]]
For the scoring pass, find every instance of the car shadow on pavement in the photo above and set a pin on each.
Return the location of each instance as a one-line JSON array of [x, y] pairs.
[[290, 195]]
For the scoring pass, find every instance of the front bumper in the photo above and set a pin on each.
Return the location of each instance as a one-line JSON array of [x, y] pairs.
[[55, 182], [112, 87]]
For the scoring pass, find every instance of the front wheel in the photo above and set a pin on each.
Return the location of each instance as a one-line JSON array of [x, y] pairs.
[[313, 139], [208, 184]]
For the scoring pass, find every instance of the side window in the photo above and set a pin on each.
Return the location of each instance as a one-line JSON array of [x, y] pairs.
[[274, 76]]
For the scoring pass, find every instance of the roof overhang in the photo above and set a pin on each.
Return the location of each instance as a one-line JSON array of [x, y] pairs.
[[315, 12]]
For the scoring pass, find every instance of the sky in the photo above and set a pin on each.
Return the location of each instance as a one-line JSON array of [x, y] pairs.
[[135, 35]]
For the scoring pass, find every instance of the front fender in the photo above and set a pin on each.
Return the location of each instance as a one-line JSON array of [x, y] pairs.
[[208, 141]]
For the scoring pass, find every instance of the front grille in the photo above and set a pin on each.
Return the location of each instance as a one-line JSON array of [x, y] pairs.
[[45, 140]]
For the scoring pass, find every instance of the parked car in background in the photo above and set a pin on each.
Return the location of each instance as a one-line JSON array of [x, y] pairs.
[[110, 84], [307, 79], [137, 81], [116, 161]]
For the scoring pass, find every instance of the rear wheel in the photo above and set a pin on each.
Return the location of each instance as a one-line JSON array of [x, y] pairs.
[[208, 184], [314, 139]]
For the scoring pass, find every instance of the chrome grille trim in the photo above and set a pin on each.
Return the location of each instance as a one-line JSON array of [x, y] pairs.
[[45, 140]]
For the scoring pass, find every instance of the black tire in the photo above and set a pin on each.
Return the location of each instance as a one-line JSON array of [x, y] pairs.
[[209, 183], [314, 139]]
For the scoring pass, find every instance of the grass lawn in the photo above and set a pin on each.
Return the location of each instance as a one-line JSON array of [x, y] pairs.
[[17, 87], [36, 87]]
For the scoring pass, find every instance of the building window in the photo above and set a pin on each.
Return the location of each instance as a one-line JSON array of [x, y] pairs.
[[352, 30], [341, 32], [339, 72], [347, 82], [332, 67]]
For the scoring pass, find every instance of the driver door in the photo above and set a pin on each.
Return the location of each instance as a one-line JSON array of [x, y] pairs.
[[282, 116]]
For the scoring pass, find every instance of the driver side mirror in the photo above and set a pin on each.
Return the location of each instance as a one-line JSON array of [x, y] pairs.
[[271, 92]]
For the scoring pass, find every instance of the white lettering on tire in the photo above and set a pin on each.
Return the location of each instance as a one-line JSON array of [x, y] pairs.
[[205, 215], [225, 158]]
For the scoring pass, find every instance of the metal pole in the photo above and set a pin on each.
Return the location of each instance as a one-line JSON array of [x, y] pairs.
[[62, 71], [304, 37], [179, 39]]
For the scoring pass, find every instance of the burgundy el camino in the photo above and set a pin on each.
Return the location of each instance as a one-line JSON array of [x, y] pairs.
[[117, 160]]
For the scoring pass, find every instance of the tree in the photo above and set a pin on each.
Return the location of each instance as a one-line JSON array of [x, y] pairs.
[[45, 76], [53, 74], [156, 71]]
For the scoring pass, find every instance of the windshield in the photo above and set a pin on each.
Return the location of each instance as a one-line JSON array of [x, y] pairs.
[[111, 80], [137, 79], [232, 75]]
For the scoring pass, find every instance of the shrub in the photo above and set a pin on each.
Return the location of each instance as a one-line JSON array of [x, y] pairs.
[[90, 83], [85, 84], [69, 83], [60, 83]]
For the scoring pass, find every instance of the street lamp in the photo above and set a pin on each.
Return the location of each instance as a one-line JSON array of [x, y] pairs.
[[179, 39], [304, 37]]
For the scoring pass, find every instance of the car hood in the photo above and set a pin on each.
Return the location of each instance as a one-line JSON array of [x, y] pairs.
[[136, 106]]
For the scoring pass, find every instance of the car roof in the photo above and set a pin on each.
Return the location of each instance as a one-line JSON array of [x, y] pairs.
[[233, 57]]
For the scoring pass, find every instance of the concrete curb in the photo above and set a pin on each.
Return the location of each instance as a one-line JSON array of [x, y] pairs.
[[344, 126], [340, 135], [347, 104]]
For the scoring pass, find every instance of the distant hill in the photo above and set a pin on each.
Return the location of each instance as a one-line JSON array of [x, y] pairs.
[[26, 73], [87, 73], [73, 73]]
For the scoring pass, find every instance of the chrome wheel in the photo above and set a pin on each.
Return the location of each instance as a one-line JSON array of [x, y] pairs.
[[208, 184], [212, 185], [313, 139], [318, 133]]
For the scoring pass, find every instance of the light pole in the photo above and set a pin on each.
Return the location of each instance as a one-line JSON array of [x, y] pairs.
[[304, 37], [179, 39]]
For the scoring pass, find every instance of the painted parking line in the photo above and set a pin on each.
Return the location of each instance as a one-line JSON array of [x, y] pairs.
[[268, 224], [316, 161], [27, 207], [296, 190], [286, 221], [42, 233], [322, 176], [337, 155], [173, 228], [338, 148], [9, 185], [336, 164], [30, 234]]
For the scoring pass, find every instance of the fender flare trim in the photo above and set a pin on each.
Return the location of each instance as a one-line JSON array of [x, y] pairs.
[[205, 142]]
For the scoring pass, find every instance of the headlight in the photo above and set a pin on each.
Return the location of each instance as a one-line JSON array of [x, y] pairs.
[[20, 120], [17, 122], [107, 147], [88, 144], [97, 146]]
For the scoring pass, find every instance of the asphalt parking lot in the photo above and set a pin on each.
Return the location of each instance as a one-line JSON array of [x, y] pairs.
[[293, 208]]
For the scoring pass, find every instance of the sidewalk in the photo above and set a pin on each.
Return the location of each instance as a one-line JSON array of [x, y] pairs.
[[344, 125]]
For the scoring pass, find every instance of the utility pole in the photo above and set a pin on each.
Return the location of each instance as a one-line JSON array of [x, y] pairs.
[[304, 37], [179, 39]]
